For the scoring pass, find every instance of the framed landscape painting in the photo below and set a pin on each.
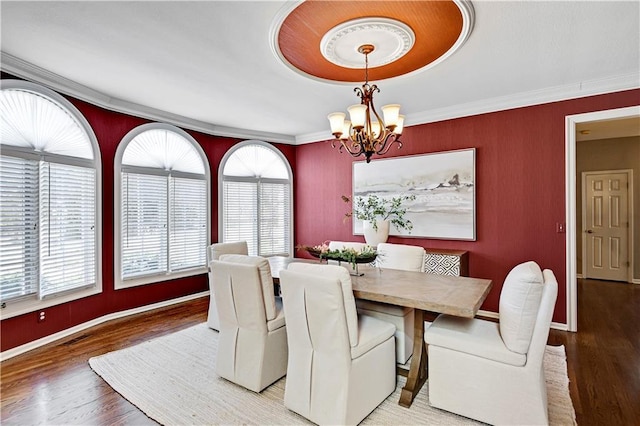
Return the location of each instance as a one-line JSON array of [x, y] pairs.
[[443, 184]]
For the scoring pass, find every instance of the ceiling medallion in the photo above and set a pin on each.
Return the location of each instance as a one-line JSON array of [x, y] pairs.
[[392, 38], [321, 42]]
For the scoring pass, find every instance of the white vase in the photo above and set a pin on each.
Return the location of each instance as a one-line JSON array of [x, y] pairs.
[[374, 237]]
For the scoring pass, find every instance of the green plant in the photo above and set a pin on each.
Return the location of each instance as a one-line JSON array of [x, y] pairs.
[[365, 255], [374, 208]]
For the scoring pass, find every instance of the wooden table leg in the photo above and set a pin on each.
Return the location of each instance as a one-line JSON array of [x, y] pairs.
[[418, 369]]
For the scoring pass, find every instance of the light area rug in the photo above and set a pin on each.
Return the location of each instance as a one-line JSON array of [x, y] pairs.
[[172, 380]]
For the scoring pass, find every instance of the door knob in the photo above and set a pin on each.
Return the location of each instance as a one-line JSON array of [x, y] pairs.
[[589, 231]]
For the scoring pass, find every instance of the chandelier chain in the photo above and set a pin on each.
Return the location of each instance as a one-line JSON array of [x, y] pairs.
[[366, 68]]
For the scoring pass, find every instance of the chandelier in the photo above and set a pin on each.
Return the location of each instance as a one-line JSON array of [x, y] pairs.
[[366, 132]]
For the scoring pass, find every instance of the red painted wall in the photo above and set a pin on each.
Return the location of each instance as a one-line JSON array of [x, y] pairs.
[[110, 127], [520, 187]]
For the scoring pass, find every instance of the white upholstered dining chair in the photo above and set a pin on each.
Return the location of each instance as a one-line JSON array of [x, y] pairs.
[[214, 251], [341, 365], [252, 348], [406, 258], [491, 371]]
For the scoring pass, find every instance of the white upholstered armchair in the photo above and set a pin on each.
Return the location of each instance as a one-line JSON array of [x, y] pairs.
[[341, 365], [490, 371], [252, 349], [407, 258], [214, 251]]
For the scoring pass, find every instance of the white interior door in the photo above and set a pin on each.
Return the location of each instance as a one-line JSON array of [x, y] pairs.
[[606, 225]]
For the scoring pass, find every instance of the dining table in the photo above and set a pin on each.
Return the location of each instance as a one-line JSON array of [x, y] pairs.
[[426, 293]]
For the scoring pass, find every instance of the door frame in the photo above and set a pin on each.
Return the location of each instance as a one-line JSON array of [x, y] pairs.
[[571, 121], [629, 173]]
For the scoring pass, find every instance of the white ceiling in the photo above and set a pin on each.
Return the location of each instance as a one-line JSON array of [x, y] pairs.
[[608, 129], [211, 66]]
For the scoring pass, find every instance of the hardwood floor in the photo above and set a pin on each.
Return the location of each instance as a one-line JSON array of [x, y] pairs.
[[54, 384], [603, 357]]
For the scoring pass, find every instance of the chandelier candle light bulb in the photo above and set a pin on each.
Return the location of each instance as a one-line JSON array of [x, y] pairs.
[[391, 113], [357, 114], [337, 123], [399, 125], [366, 132], [345, 130]]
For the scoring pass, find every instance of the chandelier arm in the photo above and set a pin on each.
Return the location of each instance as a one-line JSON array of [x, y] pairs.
[[344, 146], [391, 139], [355, 150], [379, 143], [373, 89], [356, 153], [360, 141], [353, 147]]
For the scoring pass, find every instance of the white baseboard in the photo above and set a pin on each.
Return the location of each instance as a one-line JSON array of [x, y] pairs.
[[633, 280], [10, 353], [559, 326]]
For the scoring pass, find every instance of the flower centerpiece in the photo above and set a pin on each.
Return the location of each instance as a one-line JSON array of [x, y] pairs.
[[378, 212], [366, 255]]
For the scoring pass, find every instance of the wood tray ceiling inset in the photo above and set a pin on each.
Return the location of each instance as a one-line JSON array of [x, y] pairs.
[[437, 26]]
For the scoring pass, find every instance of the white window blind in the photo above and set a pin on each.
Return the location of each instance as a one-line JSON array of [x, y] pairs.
[[29, 119], [188, 224], [49, 200], [274, 219], [257, 199], [163, 212], [240, 216], [47, 244], [18, 227], [67, 228], [144, 224]]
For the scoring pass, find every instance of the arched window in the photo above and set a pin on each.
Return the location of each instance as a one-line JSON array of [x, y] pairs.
[[255, 199], [162, 201], [50, 200]]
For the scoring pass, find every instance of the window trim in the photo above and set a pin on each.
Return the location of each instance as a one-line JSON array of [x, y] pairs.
[[120, 283], [26, 305], [223, 162]]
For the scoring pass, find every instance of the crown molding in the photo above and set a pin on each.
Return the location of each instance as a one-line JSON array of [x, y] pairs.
[[26, 70], [29, 71], [324, 135], [502, 103], [525, 99]]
